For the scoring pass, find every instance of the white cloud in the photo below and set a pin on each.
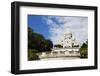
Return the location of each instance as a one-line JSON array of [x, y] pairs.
[[58, 25]]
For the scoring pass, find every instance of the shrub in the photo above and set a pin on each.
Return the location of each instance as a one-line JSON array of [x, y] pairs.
[[32, 55], [83, 53]]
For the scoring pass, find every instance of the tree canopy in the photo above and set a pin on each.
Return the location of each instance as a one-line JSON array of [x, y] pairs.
[[84, 50], [38, 42], [58, 46]]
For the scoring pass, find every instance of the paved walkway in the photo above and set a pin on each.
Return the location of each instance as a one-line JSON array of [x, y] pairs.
[[61, 58]]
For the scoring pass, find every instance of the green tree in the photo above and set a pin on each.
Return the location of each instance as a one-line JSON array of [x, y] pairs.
[[58, 46], [38, 42], [48, 45], [32, 54], [84, 50]]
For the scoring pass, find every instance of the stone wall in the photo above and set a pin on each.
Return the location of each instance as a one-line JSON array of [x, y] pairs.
[[59, 53]]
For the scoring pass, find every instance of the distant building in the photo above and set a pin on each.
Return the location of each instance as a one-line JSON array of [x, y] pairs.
[[68, 40], [67, 47]]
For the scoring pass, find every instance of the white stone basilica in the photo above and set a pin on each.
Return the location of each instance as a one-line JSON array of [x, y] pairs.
[[68, 48], [68, 41]]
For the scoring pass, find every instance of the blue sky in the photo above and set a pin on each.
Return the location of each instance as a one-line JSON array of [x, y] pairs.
[[53, 27], [37, 24]]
